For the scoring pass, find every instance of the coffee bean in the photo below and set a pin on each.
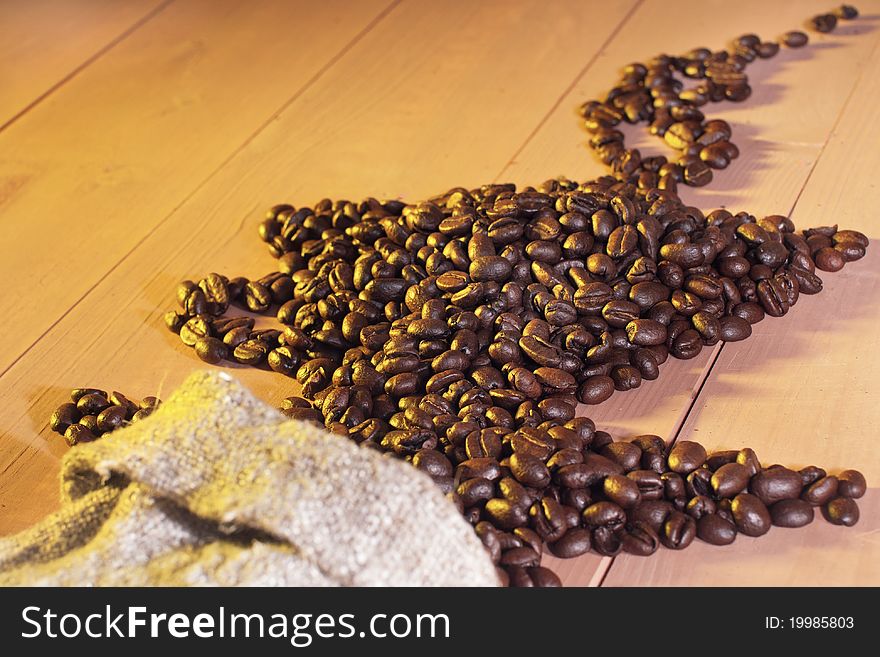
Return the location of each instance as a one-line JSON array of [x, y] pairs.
[[795, 39], [77, 433], [821, 491], [686, 456], [730, 480], [828, 259], [775, 484], [716, 530], [839, 511], [573, 543], [678, 531], [750, 514], [851, 483], [823, 22], [64, 416], [211, 350], [111, 418], [92, 403], [791, 513]]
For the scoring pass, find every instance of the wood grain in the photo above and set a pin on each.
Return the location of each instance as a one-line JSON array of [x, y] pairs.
[[383, 120], [45, 42], [91, 171]]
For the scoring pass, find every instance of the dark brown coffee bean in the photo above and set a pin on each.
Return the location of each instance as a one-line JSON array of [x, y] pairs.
[[595, 390], [77, 433], [686, 456], [795, 39], [640, 539], [573, 543], [92, 404], [621, 490], [851, 483], [734, 329], [678, 531], [604, 514], [730, 480], [646, 332], [111, 418], [823, 22], [775, 484], [791, 513], [63, 417], [716, 530], [211, 350], [839, 511], [821, 492], [750, 514]]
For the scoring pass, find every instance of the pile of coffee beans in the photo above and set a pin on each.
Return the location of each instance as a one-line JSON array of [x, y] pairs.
[[460, 333], [91, 413]]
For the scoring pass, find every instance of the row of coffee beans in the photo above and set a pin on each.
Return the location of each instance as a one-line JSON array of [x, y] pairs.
[[91, 413], [652, 93]]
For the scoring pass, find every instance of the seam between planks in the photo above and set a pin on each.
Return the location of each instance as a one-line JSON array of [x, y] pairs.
[[272, 117], [91, 59], [565, 92], [710, 366]]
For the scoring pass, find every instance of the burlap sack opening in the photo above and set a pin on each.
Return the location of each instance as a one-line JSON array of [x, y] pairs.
[[218, 488]]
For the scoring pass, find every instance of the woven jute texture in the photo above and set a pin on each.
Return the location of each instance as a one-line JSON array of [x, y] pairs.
[[217, 488]]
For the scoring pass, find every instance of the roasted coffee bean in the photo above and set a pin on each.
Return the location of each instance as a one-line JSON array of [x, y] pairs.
[[730, 480], [92, 403], [251, 352], [621, 490], [640, 539], [828, 259], [795, 39], [851, 483], [604, 514], [111, 418], [678, 531], [63, 417], [839, 511], [775, 484], [716, 530], [791, 513], [573, 543], [211, 350], [686, 456], [77, 433], [750, 514], [821, 491], [823, 22], [646, 332]]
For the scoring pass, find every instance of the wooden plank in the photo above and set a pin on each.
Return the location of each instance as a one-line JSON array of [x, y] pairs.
[[45, 42], [778, 153], [436, 95], [803, 390], [110, 155]]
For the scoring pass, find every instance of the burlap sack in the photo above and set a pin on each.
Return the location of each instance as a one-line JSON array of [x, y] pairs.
[[217, 488]]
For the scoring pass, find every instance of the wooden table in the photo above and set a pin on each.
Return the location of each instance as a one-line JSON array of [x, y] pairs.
[[141, 141]]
